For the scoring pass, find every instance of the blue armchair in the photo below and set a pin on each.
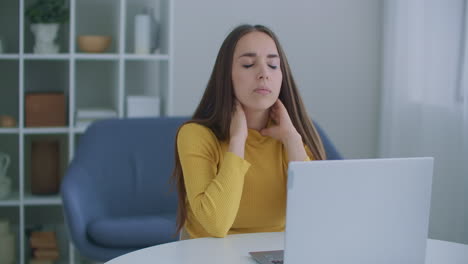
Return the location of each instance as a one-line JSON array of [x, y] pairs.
[[116, 193]]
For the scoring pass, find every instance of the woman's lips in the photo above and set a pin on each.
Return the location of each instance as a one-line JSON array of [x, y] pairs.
[[262, 91]]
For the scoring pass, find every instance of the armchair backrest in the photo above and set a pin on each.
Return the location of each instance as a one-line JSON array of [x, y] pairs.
[[131, 161], [330, 149]]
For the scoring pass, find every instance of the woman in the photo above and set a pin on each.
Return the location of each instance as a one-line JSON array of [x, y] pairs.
[[232, 157]]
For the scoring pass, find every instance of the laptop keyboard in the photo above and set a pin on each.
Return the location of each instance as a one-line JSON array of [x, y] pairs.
[[273, 259]]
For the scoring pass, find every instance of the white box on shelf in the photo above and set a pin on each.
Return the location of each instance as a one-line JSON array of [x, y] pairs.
[[142, 106]]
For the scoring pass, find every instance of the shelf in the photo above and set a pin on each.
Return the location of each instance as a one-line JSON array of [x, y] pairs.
[[46, 130], [9, 130], [12, 200], [86, 56], [9, 56], [30, 199], [156, 57], [87, 80], [59, 56]]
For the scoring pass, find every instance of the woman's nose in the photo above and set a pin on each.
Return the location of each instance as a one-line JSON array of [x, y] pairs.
[[263, 72]]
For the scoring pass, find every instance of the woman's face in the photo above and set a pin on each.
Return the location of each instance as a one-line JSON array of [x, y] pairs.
[[256, 72]]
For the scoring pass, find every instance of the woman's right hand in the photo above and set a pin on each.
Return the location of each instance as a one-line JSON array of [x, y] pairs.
[[238, 130]]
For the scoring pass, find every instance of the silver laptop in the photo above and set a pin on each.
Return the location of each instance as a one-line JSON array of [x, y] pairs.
[[356, 211]]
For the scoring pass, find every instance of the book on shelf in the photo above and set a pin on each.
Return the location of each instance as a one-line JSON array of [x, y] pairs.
[[86, 116], [43, 235], [44, 245], [83, 124], [43, 242], [95, 113], [46, 254]]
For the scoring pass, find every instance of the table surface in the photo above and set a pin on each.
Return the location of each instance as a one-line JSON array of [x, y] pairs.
[[236, 248]]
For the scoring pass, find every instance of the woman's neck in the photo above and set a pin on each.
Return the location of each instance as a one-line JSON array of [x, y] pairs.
[[257, 119]]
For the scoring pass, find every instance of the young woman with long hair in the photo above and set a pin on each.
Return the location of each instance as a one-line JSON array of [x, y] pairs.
[[231, 158]]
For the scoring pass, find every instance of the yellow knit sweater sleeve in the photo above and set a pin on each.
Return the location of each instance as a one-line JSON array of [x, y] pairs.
[[214, 186]]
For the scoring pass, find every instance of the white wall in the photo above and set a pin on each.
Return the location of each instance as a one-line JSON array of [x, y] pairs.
[[333, 47]]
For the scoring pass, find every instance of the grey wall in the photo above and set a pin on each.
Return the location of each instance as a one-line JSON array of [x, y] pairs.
[[333, 47]]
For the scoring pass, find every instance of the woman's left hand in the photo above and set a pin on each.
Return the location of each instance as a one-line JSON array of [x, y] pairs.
[[284, 129]]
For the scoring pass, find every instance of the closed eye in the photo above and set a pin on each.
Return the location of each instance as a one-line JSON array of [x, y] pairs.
[[250, 65]]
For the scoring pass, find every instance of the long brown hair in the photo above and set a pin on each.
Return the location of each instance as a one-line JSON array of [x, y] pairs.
[[217, 105]]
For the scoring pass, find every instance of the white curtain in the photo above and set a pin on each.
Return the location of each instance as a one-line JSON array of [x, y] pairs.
[[425, 101]]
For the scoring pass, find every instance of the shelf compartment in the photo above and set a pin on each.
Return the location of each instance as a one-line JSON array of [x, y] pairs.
[[160, 14], [46, 76], [63, 34], [96, 85], [46, 218], [9, 99], [146, 78], [9, 145], [98, 18], [11, 215], [9, 26], [46, 152]]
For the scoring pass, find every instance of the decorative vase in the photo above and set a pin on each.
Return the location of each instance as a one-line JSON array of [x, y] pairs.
[[146, 32], [45, 35], [45, 167]]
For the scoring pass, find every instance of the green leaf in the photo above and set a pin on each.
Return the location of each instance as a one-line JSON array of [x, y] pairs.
[[48, 11]]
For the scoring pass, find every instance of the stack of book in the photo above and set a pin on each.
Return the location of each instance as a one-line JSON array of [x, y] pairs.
[[85, 116], [44, 247]]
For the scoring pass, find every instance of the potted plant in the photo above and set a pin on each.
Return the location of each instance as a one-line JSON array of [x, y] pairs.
[[45, 17]]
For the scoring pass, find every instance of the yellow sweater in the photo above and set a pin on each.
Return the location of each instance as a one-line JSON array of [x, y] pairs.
[[227, 194]]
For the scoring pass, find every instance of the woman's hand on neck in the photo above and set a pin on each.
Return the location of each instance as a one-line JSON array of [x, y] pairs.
[[238, 131]]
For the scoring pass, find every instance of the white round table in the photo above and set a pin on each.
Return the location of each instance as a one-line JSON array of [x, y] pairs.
[[236, 248]]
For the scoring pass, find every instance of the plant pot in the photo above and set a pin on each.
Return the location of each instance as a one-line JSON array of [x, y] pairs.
[[45, 35]]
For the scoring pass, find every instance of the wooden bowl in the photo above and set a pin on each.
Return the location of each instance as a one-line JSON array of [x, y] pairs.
[[94, 43]]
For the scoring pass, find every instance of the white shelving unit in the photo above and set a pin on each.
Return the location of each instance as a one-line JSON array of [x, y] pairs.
[[87, 80]]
